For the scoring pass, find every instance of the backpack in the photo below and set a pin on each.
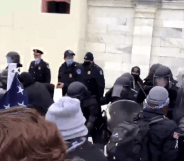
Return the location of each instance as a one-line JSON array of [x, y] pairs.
[[128, 141]]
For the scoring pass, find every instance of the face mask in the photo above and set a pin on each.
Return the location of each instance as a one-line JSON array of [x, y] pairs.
[[135, 76], [37, 59], [86, 63], [9, 60], [69, 62]]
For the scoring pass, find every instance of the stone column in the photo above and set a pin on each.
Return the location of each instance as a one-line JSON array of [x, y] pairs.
[[142, 35]]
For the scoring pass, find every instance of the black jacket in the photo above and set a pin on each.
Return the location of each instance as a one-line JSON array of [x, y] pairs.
[[162, 146], [128, 95], [92, 112], [68, 75], [138, 83], [41, 72], [94, 80], [39, 94], [85, 151]]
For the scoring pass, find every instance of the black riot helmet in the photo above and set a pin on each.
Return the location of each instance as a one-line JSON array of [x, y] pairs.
[[128, 75], [3, 78], [78, 90], [13, 57], [163, 77], [120, 83], [154, 67]]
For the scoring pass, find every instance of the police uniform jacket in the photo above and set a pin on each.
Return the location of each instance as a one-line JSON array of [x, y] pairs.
[[162, 141], [68, 75], [40, 72], [94, 80]]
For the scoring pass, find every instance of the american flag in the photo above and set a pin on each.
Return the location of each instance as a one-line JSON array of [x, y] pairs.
[[15, 96]]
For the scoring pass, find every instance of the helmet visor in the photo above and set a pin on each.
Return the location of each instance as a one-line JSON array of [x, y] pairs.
[[161, 81]]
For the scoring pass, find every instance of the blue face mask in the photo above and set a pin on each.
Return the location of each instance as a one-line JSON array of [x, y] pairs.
[[69, 62], [9, 60]]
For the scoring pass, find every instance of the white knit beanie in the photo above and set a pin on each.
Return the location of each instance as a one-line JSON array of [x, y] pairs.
[[67, 115]]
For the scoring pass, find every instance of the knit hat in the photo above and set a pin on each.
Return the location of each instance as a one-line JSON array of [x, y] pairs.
[[67, 115], [158, 98]]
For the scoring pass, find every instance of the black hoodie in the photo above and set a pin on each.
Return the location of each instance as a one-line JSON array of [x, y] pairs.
[[38, 93]]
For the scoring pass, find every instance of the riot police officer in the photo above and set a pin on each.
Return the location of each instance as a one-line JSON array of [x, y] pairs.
[[93, 76], [120, 91], [39, 69], [70, 71]]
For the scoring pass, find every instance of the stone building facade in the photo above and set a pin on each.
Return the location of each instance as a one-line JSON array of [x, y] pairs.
[[120, 33], [123, 34]]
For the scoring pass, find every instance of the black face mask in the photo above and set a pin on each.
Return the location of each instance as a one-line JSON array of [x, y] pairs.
[[135, 76], [86, 63]]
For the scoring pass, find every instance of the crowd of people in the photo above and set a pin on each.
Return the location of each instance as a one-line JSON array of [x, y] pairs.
[[144, 121]]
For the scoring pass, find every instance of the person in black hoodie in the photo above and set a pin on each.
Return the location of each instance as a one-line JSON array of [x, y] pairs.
[[39, 94], [136, 71]]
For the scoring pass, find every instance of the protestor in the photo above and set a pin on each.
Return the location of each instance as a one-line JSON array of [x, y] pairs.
[[136, 71], [39, 69], [39, 94], [121, 90], [162, 144], [70, 71], [93, 76], [91, 110], [67, 115], [27, 136]]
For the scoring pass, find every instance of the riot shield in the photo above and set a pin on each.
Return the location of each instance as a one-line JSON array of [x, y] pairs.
[[122, 110]]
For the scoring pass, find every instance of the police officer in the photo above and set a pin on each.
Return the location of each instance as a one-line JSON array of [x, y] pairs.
[[120, 91], [93, 76], [70, 71], [136, 71], [39, 69]]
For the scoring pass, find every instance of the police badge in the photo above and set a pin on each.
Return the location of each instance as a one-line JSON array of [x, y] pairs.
[[78, 71], [39, 68], [70, 75], [101, 72], [89, 72]]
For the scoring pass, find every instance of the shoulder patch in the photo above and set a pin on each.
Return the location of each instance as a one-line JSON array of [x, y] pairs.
[[101, 72], [48, 66], [78, 71]]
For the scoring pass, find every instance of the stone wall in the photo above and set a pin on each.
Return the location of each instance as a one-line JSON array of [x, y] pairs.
[[122, 34]]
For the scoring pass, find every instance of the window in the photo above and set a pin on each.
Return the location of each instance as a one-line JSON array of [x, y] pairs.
[[56, 6]]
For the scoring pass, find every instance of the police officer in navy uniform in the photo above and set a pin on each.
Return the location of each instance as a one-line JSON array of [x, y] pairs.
[[39, 69], [93, 76], [70, 71]]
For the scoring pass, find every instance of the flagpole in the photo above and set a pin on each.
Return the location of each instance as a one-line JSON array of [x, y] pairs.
[[12, 68]]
